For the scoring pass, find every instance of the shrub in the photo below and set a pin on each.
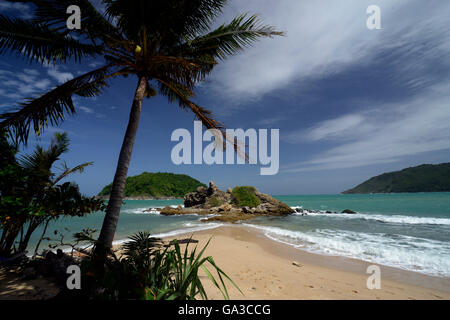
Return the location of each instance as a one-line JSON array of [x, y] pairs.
[[31, 194], [149, 270], [214, 202], [245, 197]]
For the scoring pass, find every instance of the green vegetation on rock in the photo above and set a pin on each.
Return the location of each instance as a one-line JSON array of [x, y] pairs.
[[215, 202], [245, 197], [424, 178], [157, 185]]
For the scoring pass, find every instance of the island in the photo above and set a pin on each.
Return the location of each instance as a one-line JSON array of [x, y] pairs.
[[424, 178], [151, 186], [237, 204]]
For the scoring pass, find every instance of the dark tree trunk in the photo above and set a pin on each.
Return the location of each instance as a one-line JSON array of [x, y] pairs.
[[34, 223], [40, 239], [117, 192]]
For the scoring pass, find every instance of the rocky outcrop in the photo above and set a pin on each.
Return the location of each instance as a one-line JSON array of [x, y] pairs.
[[305, 212], [206, 198], [213, 201]]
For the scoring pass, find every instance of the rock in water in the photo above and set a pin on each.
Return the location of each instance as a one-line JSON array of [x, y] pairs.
[[212, 200], [348, 211]]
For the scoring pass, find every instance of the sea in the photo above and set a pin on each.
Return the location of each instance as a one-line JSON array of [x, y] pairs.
[[407, 231]]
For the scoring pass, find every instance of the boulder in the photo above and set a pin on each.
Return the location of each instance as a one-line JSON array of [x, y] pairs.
[[348, 211], [225, 207], [212, 189], [247, 210], [196, 198], [273, 206]]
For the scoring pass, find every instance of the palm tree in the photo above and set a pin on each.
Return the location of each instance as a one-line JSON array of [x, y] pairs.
[[31, 196], [167, 44]]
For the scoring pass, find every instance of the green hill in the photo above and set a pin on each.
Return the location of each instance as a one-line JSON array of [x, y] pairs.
[[424, 178], [157, 185]]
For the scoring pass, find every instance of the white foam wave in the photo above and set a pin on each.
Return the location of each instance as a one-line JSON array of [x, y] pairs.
[[140, 211], [400, 219], [188, 228], [409, 253]]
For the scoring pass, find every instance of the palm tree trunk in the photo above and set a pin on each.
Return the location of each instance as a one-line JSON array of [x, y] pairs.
[[117, 192]]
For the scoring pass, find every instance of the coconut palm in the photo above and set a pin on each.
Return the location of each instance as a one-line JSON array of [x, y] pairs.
[[167, 45]]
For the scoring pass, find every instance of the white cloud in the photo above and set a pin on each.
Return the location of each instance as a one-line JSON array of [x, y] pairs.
[[30, 82], [338, 128], [59, 76], [86, 109], [95, 64], [32, 72], [325, 37], [27, 78], [391, 132], [43, 84], [19, 85]]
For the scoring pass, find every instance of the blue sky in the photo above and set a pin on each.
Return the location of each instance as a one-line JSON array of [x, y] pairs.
[[350, 102]]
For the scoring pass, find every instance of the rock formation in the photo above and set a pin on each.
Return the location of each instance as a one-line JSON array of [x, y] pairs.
[[227, 206]]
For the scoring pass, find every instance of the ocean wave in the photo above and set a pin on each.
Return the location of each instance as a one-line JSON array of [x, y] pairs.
[[147, 210], [410, 253], [140, 211], [400, 219], [187, 228]]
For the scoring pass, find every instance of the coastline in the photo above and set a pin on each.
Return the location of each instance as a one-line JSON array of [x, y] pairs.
[[264, 269]]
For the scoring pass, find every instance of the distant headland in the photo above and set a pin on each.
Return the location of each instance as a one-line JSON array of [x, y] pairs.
[[156, 186], [424, 178]]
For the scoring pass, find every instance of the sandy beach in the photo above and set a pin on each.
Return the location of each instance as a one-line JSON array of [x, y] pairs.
[[265, 269], [268, 270]]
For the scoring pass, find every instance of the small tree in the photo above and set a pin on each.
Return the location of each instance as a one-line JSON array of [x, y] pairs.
[[30, 195]]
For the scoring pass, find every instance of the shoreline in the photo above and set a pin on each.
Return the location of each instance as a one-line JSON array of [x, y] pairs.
[[263, 269], [139, 198]]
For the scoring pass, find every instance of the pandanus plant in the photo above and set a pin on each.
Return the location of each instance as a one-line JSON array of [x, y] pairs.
[[168, 45]]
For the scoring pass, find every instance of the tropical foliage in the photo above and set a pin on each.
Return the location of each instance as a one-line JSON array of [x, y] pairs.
[[30, 193], [149, 270], [245, 197], [157, 185]]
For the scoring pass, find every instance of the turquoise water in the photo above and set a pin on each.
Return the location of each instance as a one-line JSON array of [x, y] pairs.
[[409, 231], [410, 204]]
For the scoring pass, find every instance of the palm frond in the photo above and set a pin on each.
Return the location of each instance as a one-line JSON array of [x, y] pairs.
[[140, 244], [230, 39], [185, 70], [176, 92], [53, 14], [41, 160], [38, 43], [67, 171], [167, 19], [51, 108]]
